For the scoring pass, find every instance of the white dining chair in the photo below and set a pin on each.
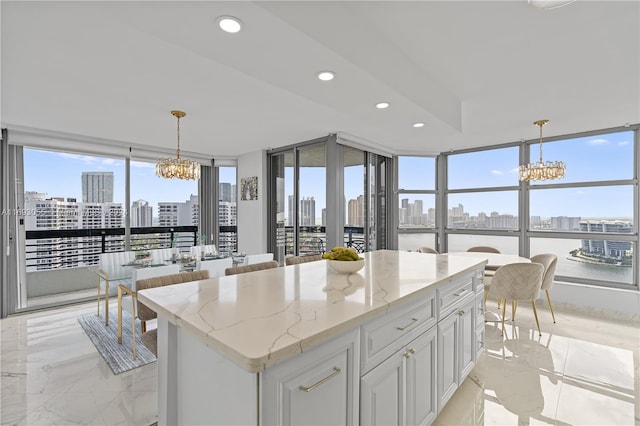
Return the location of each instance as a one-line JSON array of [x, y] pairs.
[[549, 261], [127, 296], [427, 250], [210, 249], [517, 281], [250, 259], [216, 267], [159, 256], [112, 270], [196, 251]]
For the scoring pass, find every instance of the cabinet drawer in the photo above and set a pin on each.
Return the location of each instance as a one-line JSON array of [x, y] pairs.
[[450, 295], [320, 386], [389, 333]]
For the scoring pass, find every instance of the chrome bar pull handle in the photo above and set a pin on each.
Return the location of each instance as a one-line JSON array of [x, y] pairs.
[[336, 371], [461, 293], [413, 320]]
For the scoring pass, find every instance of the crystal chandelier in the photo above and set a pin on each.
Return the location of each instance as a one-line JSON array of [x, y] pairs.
[[170, 168], [540, 170]]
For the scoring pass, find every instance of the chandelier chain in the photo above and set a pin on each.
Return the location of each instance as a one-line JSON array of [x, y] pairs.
[[540, 140], [178, 150]]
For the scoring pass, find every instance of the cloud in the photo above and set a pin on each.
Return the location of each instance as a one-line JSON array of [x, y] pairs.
[[581, 192], [598, 142], [622, 143], [143, 165], [87, 159], [514, 170], [497, 172]]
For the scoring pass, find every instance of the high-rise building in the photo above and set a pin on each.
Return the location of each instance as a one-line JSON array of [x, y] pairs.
[[307, 211], [355, 212], [227, 213], [226, 192], [97, 187], [179, 214], [606, 248], [141, 214], [59, 213], [565, 223]]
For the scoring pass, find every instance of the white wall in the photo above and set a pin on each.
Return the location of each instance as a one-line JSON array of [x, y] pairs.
[[594, 300], [252, 215]]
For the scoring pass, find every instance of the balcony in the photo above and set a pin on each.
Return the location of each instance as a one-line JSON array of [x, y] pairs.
[[58, 262]]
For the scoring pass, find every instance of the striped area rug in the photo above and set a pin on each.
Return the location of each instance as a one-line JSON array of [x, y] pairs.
[[105, 339]]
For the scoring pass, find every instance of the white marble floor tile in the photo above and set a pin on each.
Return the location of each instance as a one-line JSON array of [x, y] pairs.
[[581, 370]]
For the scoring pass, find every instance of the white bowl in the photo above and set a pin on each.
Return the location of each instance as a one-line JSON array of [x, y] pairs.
[[345, 266]]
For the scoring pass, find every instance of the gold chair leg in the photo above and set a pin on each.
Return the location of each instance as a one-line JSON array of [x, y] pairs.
[[505, 308], [106, 303], [133, 328], [535, 313], [550, 307], [98, 296], [119, 316], [143, 326], [514, 306]]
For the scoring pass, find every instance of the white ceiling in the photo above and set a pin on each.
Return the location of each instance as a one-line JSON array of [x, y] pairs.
[[476, 72]]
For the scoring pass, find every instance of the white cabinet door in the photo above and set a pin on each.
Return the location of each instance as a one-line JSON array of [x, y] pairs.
[[467, 336], [421, 379], [319, 387], [447, 358], [382, 393]]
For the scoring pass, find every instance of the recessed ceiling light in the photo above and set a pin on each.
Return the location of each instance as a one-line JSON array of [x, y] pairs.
[[229, 24], [418, 124], [382, 105], [326, 75], [549, 4]]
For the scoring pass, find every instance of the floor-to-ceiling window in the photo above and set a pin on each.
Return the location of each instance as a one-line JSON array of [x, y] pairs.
[[76, 204], [72, 203], [416, 191], [311, 203], [227, 209], [164, 204], [589, 218], [307, 216], [356, 205], [482, 200]]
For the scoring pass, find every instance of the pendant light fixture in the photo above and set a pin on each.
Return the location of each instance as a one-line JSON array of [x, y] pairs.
[[177, 168], [540, 170]]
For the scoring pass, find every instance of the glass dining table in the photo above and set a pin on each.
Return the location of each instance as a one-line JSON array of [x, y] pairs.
[[124, 274], [111, 275], [494, 261]]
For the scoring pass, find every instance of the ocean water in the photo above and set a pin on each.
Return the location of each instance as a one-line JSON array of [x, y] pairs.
[[567, 265]]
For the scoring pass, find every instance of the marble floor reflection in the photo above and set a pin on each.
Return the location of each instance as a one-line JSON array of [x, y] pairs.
[[581, 371]]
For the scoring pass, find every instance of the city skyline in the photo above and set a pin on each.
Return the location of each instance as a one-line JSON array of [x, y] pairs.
[[593, 158]]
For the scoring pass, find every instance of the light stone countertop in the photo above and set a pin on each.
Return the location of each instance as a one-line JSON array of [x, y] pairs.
[[259, 318]]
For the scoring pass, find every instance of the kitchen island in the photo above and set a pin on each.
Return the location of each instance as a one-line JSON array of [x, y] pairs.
[[302, 344]]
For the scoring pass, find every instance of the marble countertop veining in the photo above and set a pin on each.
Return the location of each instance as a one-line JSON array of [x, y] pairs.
[[259, 318]]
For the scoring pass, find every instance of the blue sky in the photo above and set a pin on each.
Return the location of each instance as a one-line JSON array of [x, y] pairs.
[[602, 157]]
